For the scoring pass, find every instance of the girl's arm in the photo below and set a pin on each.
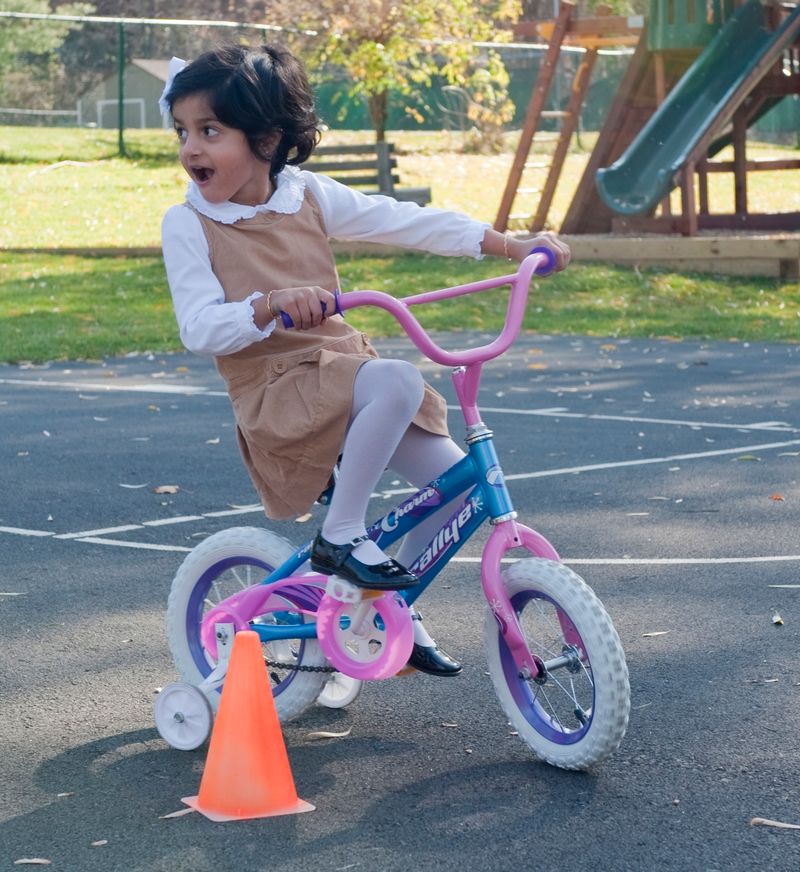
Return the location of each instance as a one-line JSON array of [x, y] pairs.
[[349, 214], [208, 325]]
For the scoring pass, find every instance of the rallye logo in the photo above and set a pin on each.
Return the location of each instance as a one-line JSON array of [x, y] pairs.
[[449, 534]]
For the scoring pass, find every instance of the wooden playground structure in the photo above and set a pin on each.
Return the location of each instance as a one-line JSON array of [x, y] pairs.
[[700, 76]]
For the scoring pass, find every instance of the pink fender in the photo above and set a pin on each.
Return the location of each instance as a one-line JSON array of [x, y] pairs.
[[240, 608]]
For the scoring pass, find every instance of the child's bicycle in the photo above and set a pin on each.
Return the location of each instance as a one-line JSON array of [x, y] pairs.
[[554, 656]]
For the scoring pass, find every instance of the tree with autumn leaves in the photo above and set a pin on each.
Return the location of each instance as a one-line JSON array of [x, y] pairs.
[[385, 47]]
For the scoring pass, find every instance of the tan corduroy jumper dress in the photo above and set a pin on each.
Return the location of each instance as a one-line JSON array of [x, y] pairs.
[[292, 393]]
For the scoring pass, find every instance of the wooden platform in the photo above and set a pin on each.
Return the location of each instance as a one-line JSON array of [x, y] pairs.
[[753, 255]]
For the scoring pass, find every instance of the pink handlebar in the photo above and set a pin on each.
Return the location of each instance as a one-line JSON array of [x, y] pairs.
[[541, 261]]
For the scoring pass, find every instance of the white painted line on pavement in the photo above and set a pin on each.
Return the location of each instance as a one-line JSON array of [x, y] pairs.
[[20, 531], [111, 387], [241, 510], [563, 412], [182, 519], [120, 543], [644, 461], [123, 529]]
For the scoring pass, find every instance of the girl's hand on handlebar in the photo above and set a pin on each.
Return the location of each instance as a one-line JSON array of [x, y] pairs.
[[306, 307], [519, 249]]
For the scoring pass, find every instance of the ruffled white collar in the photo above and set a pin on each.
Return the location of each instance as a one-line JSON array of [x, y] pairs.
[[286, 199]]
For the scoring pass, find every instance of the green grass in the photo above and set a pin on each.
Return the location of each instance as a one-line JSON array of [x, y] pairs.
[[68, 308], [69, 188]]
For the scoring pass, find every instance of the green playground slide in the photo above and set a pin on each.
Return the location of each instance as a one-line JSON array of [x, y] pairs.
[[646, 172]]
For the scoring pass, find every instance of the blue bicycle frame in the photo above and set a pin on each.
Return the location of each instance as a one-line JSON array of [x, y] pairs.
[[478, 472]]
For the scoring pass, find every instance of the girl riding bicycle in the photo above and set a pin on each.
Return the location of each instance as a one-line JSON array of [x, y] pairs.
[[252, 242]]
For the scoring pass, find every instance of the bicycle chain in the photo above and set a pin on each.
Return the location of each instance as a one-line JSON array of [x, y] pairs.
[[298, 667]]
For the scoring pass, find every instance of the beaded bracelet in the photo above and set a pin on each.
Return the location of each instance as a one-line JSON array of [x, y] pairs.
[[269, 304], [505, 246]]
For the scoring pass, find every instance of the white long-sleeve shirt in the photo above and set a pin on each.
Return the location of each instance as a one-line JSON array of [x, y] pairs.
[[209, 325]]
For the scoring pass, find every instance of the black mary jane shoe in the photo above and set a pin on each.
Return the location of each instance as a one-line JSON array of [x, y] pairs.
[[433, 661], [331, 559]]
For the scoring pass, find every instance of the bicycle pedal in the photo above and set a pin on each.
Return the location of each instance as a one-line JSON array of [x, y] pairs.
[[343, 591]]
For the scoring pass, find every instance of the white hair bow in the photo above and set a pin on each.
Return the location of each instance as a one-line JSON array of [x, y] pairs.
[[175, 66]]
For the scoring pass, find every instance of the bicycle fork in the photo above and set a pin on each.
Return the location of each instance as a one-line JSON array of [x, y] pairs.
[[506, 533]]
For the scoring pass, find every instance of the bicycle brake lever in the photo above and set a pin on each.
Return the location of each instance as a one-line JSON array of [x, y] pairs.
[[287, 319]]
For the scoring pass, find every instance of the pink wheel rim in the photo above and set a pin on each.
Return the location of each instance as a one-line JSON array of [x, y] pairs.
[[371, 640]]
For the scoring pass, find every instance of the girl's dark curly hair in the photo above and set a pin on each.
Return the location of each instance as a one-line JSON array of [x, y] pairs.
[[261, 92]]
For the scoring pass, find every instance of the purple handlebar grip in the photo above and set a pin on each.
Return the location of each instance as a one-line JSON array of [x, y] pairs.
[[549, 256], [287, 320]]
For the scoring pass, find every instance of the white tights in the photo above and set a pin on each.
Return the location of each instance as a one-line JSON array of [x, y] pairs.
[[386, 396]]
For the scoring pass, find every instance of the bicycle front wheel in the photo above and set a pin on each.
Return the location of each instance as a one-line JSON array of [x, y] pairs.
[[577, 714], [223, 564]]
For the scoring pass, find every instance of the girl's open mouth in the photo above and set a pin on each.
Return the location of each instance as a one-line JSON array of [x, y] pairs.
[[202, 174]]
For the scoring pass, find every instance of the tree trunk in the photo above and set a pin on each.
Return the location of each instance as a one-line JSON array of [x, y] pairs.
[[378, 105]]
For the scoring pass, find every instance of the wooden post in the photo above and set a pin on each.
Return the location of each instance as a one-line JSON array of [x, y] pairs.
[[385, 181], [689, 222], [740, 162], [702, 184], [580, 85]]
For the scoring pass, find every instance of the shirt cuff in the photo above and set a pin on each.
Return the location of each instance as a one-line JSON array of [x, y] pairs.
[[474, 241], [250, 328]]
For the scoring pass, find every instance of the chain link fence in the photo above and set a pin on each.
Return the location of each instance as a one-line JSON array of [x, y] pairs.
[[89, 71]]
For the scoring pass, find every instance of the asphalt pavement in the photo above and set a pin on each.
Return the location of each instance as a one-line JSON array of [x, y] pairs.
[[665, 473]]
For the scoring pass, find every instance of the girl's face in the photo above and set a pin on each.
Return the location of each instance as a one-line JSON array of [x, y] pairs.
[[216, 157]]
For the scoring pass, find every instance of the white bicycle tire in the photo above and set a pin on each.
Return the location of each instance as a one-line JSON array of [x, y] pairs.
[[256, 551], [547, 583]]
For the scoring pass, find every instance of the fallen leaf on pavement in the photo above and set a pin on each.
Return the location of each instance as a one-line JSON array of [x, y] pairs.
[[166, 489], [326, 734], [777, 497], [766, 822]]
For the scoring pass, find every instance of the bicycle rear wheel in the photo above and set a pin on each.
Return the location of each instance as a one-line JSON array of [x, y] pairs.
[[577, 715], [223, 564]]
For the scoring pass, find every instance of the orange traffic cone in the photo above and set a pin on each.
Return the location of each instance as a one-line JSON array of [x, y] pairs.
[[247, 773]]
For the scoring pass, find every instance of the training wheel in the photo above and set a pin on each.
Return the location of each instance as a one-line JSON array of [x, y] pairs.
[[339, 691], [183, 716], [367, 640]]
